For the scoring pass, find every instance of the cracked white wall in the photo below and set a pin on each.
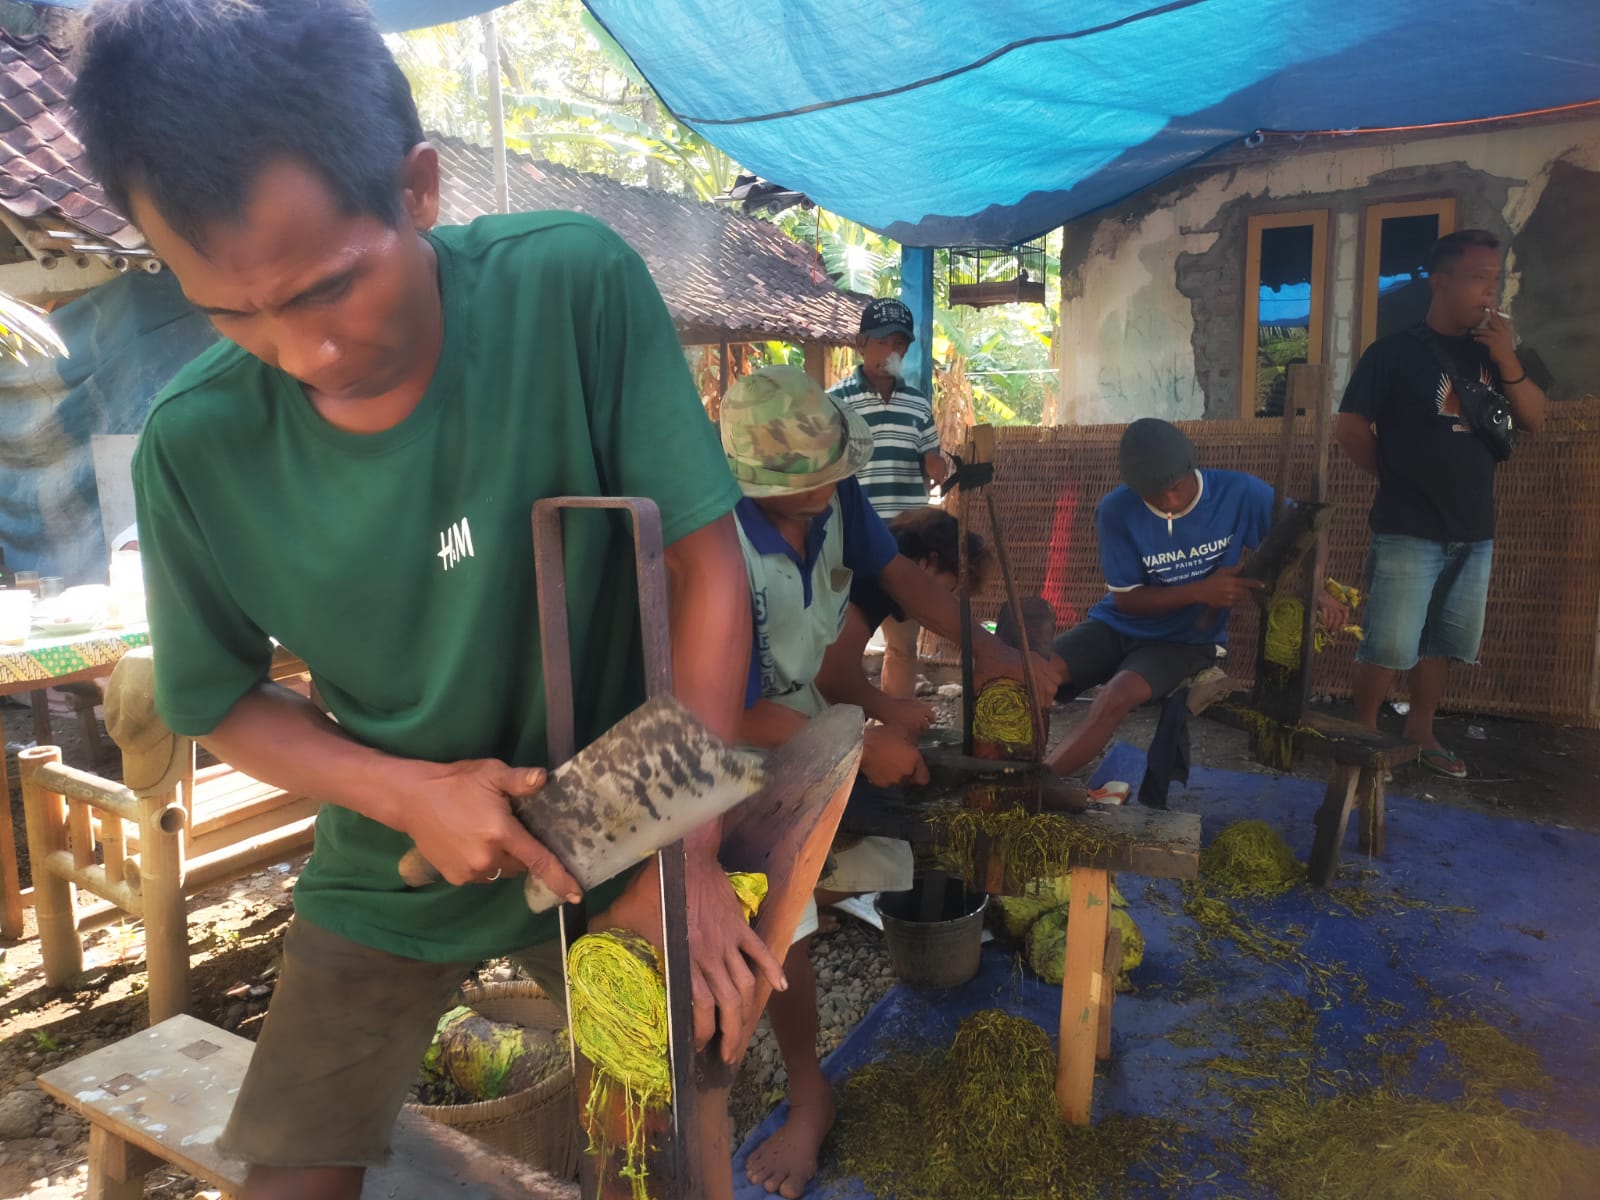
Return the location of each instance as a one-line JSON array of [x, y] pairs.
[[1128, 344]]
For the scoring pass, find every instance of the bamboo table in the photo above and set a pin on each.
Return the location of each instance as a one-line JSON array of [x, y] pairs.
[[38, 664]]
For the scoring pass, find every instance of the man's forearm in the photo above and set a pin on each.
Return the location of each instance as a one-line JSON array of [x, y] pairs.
[[1354, 434], [281, 738], [1155, 600], [1528, 402], [769, 725], [709, 612]]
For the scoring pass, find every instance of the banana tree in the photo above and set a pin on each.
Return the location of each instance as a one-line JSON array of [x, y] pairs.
[[25, 329]]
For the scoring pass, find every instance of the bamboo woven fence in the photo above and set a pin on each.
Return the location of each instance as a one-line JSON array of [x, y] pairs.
[[1541, 645]]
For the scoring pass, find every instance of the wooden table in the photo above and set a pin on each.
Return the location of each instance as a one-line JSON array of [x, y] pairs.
[[1138, 840], [35, 666]]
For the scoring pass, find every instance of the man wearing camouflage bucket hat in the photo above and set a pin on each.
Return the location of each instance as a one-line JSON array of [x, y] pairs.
[[807, 530]]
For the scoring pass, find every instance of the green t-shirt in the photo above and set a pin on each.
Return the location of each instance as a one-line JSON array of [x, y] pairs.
[[399, 565]]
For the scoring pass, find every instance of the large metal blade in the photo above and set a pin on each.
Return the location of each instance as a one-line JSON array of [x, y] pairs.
[[655, 776]]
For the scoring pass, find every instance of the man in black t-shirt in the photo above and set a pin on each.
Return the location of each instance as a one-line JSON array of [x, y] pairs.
[[1433, 518]]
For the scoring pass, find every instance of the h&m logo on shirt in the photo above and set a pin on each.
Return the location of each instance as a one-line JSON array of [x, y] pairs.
[[455, 543]]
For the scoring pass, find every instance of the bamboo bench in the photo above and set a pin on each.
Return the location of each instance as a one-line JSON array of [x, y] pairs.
[[161, 1096], [154, 847]]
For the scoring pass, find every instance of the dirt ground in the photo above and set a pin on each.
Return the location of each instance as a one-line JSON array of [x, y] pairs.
[[1535, 772]]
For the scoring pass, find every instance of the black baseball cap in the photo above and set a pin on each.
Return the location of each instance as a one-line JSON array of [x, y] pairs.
[[886, 316]]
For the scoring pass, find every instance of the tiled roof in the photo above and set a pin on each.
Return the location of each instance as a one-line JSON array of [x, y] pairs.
[[724, 276], [42, 172]]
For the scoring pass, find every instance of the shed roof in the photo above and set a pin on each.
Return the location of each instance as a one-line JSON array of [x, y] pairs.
[[724, 276]]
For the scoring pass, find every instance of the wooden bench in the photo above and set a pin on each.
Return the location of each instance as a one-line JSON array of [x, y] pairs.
[[1138, 840], [143, 851], [1359, 760], [163, 1095]]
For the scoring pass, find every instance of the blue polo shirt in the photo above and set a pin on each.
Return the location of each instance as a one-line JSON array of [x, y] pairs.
[[1138, 548], [798, 600]]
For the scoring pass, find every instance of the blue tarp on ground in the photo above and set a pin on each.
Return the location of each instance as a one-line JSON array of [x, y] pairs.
[[126, 338], [949, 122], [1527, 956]]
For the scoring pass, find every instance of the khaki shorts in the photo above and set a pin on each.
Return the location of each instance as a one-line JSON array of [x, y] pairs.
[[867, 864], [342, 1043]]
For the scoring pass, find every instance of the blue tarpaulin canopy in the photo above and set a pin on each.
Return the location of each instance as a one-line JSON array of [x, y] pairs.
[[951, 122]]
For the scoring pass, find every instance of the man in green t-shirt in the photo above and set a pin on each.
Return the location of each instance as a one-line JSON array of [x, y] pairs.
[[351, 472]]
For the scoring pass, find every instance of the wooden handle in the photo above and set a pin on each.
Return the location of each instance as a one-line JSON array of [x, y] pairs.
[[417, 871]]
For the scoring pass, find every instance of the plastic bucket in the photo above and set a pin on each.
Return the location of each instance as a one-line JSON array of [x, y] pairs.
[[934, 941]]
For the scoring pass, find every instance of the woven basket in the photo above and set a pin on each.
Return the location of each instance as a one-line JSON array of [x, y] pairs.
[[539, 1126]]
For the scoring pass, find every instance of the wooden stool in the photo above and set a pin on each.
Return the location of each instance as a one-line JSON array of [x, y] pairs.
[[163, 1096], [1359, 759], [1141, 841]]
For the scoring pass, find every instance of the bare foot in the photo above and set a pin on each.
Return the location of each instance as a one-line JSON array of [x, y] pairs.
[[786, 1162]]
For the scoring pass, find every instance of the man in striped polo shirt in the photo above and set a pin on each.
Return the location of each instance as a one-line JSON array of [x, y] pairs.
[[905, 451], [905, 444]]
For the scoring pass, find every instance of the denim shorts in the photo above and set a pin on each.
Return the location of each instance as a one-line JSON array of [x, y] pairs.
[[1425, 599]]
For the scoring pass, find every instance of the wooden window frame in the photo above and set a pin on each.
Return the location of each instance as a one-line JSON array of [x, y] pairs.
[[1372, 219], [1316, 322]]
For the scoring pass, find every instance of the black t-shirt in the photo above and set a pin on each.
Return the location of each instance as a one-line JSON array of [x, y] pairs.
[[1435, 476], [876, 605]]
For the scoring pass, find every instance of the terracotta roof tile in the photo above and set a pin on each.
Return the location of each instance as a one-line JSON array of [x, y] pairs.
[[723, 275], [43, 174]]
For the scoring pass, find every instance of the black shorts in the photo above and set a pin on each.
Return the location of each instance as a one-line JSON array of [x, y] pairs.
[[1094, 652]]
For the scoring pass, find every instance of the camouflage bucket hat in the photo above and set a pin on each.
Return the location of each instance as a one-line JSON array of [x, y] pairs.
[[782, 434]]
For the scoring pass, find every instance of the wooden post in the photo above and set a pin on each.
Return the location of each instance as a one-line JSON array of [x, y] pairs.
[[166, 927], [10, 876], [817, 362], [116, 1168], [783, 832], [1083, 978], [1313, 383], [964, 513], [42, 733], [1333, 818], [1108, 991], [54, 898], [1370, 798], [1282, 694]]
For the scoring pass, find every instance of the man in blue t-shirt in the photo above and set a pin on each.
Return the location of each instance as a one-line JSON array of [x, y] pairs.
[[1171, 539]]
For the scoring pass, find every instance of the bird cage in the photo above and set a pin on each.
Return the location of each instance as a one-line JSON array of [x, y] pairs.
[[986, 275]]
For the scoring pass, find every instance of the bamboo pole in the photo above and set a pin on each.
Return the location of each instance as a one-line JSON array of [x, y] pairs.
[[92, 878], [1083, 979], [166, 928], [103, 794], [54, 898]]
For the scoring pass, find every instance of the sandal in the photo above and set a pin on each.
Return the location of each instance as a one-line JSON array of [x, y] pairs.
[[1115, 792], [1443, 762]]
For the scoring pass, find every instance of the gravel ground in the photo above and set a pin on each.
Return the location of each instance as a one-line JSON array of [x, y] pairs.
[[853, 974], [236, 930]]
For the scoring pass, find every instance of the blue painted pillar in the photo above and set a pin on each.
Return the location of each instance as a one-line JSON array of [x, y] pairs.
[[916, 293]]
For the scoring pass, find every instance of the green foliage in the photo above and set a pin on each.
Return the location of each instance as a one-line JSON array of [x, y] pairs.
[[572, 96]]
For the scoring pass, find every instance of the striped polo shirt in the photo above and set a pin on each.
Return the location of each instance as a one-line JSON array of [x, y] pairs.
[[902, 432]]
